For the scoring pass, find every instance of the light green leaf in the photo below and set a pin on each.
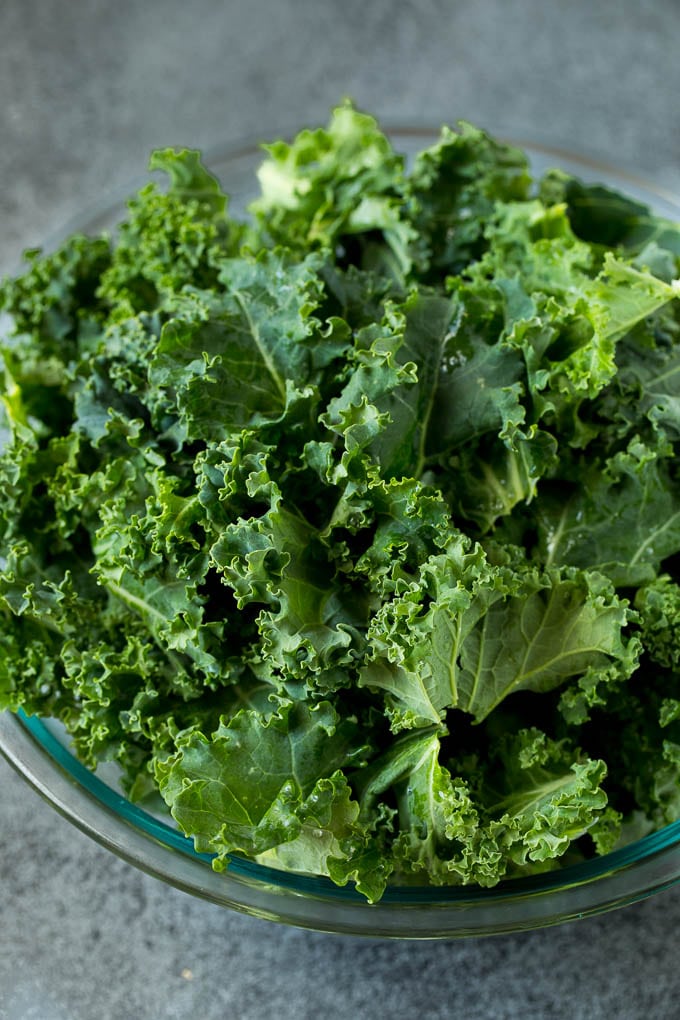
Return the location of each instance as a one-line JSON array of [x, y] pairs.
[[244, 789]]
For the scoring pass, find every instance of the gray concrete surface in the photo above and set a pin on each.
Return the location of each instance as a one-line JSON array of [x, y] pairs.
[[87, 88]]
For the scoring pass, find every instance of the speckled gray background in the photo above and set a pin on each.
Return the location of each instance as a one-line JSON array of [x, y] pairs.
[[86, 89]]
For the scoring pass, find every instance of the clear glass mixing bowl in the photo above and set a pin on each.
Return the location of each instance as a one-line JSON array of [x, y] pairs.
[[39, 752]]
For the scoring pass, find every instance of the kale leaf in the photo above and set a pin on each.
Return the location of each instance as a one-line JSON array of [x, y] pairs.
[[353, 530]]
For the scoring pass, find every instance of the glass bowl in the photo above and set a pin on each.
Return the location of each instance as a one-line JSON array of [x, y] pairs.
[[39, 751]]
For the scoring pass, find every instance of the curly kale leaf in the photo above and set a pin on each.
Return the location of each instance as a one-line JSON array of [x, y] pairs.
[[354, 530]]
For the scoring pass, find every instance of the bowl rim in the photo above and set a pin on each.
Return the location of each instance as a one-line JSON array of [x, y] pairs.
[[574, 892]]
